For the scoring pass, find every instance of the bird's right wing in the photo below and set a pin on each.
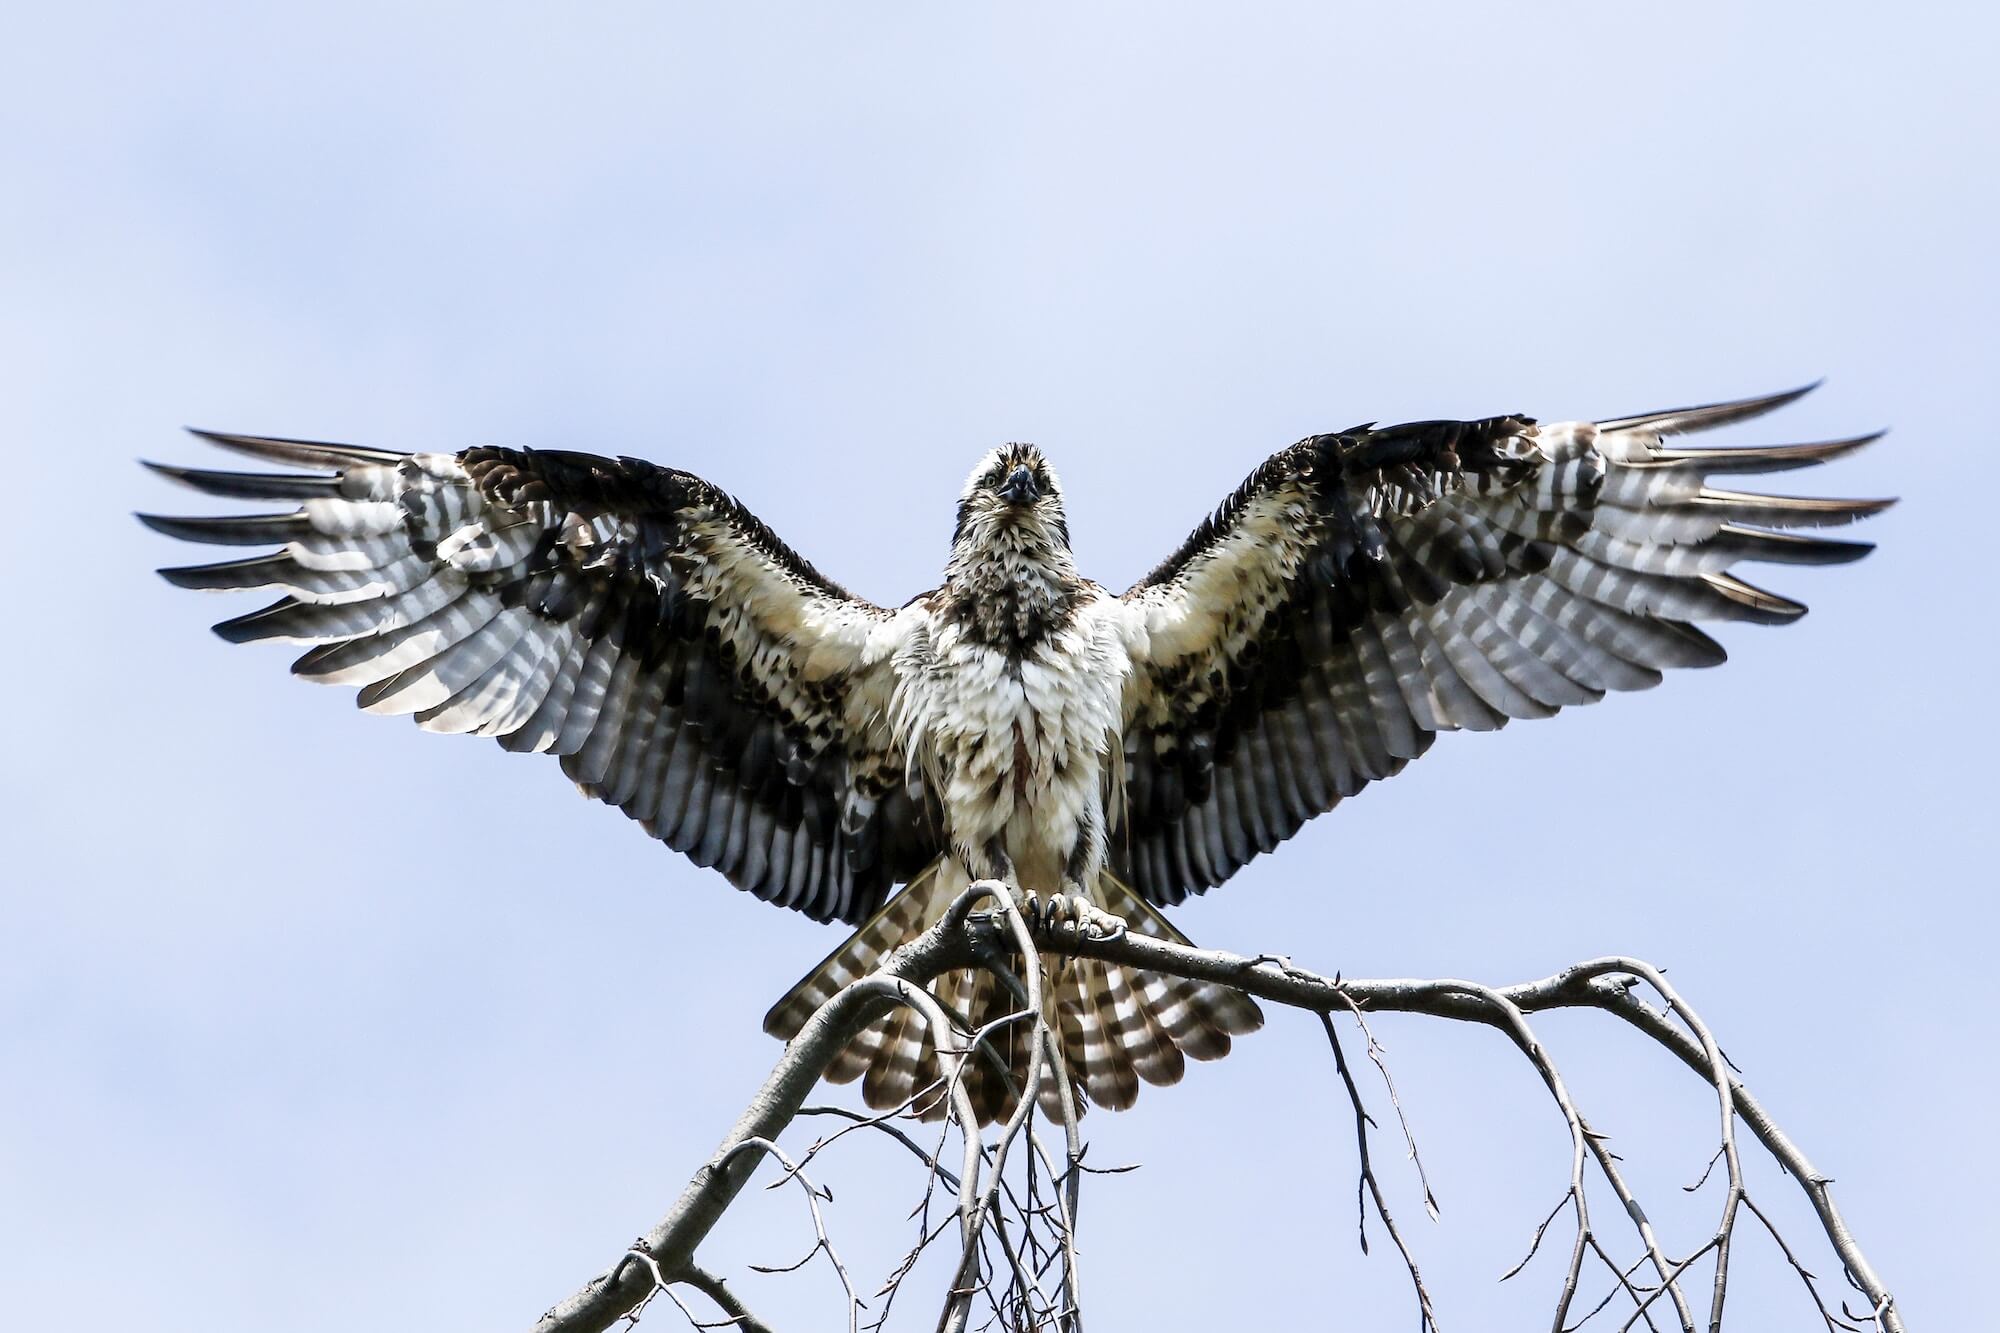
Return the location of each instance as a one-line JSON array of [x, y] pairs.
[[684, 663]]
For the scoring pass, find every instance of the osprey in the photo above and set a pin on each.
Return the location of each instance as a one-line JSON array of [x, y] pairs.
[[1359, 593]]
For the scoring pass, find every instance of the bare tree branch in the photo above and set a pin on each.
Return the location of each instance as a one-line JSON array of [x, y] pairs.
[[1373, 1188], [713, 1287], [672, 1242], [964, 938]]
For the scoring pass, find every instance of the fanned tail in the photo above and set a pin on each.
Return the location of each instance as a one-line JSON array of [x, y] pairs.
[[1115, 1026]]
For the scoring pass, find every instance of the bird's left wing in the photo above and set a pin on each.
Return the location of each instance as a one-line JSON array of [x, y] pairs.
[[685, 664], [1363, 591]]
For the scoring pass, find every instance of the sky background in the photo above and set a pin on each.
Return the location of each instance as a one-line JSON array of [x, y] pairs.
[[313, 1021]]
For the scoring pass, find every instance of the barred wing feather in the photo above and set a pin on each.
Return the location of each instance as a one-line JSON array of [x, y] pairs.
[[633, 620], [1363, 591]]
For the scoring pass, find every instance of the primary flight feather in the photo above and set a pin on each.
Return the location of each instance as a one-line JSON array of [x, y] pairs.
[[1359, 593]]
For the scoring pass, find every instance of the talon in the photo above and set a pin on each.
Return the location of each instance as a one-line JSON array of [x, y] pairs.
[[1089, 921]]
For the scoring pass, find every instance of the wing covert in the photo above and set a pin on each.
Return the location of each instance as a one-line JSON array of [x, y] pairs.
[[683, 663]]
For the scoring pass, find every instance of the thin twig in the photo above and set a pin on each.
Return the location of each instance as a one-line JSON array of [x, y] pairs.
[[822, 1243], [1362, 1120], [958, 941]]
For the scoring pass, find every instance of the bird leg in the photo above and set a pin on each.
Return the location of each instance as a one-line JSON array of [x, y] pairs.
[[1069, 914], [994, 863]]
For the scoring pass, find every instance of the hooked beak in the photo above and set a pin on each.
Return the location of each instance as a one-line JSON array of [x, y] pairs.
[[1020, 488]]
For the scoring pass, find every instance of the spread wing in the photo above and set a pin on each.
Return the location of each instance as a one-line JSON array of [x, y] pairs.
[[1363, 591], [683, 663]]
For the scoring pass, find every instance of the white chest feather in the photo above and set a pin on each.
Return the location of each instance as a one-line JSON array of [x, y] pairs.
[[1021, 751]]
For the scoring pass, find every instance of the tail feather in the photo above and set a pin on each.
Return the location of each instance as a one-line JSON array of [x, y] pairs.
[[1115, 1027], [859, 1055], [1183, 1009], [1153, 1054], [1108, 1075], [957, 992], [1197, 1017], [892, 1079], [996, 1090], [985, 1085], [902, 917]]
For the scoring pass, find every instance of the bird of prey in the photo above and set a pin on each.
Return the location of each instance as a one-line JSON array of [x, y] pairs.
[[1359, 593]]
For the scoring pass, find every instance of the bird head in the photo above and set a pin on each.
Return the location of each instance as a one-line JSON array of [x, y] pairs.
[[1012, 499]]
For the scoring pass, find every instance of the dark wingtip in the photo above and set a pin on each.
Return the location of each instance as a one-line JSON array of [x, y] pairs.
[[1786, 397], [257, 571], [243, 628], [275, 621], [1704, 649], [1686, 420], [182, 576], [248, 485], [305, 453], [1861, 441], [243, 530], [160, 523], [1764, 460], [1757, 605], [1759, 404]]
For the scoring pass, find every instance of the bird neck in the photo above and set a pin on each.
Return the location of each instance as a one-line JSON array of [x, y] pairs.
[[1011, 587]]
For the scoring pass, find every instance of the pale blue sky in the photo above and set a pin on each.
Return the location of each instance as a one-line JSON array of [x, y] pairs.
[[310, 1020]]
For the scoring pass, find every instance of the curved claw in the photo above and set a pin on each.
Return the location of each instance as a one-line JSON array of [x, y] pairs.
[[1073, 915]]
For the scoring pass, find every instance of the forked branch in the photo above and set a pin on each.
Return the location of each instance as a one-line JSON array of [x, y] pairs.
[[1041, 1233]]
